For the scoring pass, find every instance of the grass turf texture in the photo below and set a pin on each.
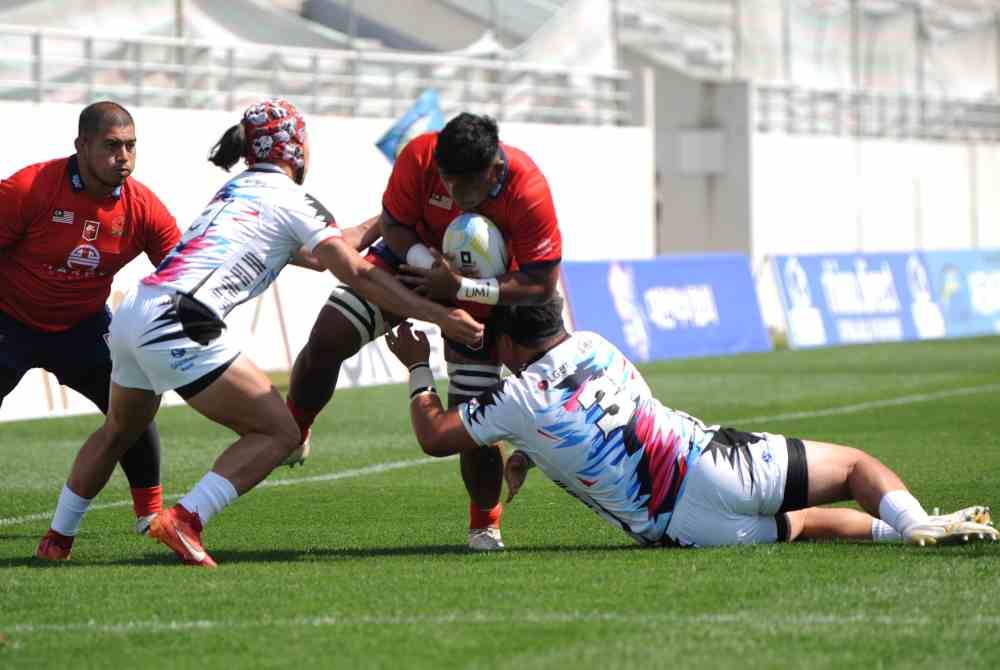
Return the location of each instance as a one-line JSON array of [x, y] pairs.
[[369, 570]]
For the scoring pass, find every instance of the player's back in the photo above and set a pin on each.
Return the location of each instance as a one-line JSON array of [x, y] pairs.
[[587, 418], [242, 239]]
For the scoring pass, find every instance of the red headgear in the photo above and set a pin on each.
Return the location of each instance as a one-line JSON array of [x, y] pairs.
[[275, 132]]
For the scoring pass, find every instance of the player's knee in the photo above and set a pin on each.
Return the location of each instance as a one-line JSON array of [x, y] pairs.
[[347, 323], [285, 432]]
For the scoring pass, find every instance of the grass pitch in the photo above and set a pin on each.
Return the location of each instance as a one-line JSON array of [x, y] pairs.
[[357, 560]]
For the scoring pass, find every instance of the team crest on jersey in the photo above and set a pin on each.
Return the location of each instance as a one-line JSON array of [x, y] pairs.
[[90, 229], [84, 257], [62, 216], [117, 226], [442, 201]]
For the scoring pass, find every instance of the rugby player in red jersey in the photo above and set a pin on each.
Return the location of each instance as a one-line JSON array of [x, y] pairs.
[[437, 177], [66, 227]]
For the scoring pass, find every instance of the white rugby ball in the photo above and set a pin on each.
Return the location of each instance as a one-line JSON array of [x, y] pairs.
[[477, 246]]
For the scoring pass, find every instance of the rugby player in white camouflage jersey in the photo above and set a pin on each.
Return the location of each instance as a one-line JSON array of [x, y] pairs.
[[581, 412]]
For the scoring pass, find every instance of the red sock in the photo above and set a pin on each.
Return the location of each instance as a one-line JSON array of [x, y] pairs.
[[147, 500], [303, 418], [484, 518]]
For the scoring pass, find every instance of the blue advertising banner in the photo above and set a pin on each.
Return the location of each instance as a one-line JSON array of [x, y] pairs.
[[966, 286], [668, 307], [832, 299]]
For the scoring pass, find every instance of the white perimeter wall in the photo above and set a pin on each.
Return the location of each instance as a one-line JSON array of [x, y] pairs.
[[830, 194], [601, 180]]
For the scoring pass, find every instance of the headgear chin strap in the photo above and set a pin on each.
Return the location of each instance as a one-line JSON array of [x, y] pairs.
[[275, 133]]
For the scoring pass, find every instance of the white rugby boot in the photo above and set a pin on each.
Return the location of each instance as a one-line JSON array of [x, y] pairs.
[[971, 524], [299, 454], [485, 539]]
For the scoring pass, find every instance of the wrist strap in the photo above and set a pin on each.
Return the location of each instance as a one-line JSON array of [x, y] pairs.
[[421, 380], [419, 256], [485, 291]]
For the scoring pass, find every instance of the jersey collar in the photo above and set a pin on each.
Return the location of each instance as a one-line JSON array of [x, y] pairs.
[[495, 192], [76, 179], [265, 167]]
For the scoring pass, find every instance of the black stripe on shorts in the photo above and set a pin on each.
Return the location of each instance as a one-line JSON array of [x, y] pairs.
[[189, 391], [797, 478]]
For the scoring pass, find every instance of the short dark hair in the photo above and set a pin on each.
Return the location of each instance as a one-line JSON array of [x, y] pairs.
[[100, 115], [529, 325], [467, 144]]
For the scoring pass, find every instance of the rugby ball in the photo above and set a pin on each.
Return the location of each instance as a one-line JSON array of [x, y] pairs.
[[476, 245]]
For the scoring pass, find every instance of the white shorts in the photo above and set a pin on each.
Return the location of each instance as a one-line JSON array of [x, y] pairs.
[[149, 349], [739, 489]]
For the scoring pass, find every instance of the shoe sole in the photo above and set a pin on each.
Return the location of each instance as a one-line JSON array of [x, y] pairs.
[[967, 533]]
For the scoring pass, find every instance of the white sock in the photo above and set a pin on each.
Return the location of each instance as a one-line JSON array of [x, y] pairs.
[[209, 496], [883, 532], [901, 510], [69, 512]]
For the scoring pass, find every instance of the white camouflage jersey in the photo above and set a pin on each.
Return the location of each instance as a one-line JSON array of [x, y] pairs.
[[244, 237], [586, 417]]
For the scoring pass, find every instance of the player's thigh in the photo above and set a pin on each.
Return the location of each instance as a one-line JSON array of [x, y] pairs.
[[130, 411], [829, 467], [346, 323], [18, 353], [242, 398]]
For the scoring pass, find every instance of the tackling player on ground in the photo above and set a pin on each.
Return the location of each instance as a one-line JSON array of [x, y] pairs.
[[170, 332], [66, 227], [437, 177], [581, 412]]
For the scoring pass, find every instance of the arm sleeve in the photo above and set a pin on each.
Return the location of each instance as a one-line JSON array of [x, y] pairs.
[[538, 239], [402, 198], [162, 231], [495, 415], [309, 221], [12, 215]]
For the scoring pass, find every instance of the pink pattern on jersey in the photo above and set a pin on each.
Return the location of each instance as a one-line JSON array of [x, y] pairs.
[[173, 265], [661, 453]]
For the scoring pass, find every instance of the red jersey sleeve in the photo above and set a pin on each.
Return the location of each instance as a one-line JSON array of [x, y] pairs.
[[160, 228], [13, 217], [538, 239], [403, 199]]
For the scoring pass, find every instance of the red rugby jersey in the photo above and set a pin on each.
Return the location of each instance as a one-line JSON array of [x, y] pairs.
[[521, 207], [60, 248]]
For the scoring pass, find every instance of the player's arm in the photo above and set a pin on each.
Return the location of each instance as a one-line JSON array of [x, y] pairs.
[[162, 233], [360, 237], [402, 240], [12, 219], [382, 288], [440, 432]]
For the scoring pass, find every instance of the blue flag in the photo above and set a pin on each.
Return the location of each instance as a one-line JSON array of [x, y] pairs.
[[423, 117]]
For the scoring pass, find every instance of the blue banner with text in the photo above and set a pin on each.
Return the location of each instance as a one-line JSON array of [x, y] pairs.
[[668, 307], [832, 299]]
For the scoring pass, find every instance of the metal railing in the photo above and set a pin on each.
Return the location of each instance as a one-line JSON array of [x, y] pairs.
[[63, 66], [872, 114]]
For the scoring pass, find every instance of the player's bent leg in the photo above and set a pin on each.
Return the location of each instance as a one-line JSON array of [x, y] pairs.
[[129, 412], [243, 399], [345, 324], [141, 461]]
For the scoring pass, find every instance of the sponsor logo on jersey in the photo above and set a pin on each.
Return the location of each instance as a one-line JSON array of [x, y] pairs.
[[83, 257], [442, 201], [62, 216], [90, 229], [118, 226]]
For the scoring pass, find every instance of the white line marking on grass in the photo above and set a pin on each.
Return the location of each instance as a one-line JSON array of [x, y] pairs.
[[749, 619], [378, 468], [873, 404]]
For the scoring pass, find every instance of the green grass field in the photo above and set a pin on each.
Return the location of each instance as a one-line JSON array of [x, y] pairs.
[[358, 560]]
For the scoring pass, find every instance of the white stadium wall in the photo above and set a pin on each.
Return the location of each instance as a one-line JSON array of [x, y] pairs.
[[601, 180]]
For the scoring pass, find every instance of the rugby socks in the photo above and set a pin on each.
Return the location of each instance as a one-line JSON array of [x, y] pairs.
[[901, 510], [69, 512], [484, 518], [148, 500], [209, 496], [883, 532], [304, 418]]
